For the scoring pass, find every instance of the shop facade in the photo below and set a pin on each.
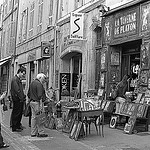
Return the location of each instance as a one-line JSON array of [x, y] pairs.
[[75, 63], [35, 59], [125, 47]]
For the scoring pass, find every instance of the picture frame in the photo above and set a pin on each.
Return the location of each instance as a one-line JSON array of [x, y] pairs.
[[145, 56], [143, 78], [140, 110], [100, 92], [102, 80], [73, 131], [114, 75], [147, 100], [115, 58], [130, 125], [103, 60], [139, 96], [113, 122], [68, 124], [144, 17], [148, 83], [77, 132]]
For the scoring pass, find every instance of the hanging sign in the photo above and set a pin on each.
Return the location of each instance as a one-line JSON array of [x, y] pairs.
[[64, 84], [76, 26]]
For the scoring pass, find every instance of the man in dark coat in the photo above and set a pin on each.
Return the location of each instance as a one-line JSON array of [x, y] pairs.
[[36, 95], [18, 98]]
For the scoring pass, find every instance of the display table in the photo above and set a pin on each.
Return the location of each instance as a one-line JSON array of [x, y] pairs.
[[93, 115], [137, 115]]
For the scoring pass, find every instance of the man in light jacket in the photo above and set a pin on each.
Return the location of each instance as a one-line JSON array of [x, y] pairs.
[[36, 94]]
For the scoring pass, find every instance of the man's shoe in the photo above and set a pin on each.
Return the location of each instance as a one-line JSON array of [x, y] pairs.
[[42, 135], [33, 135], [16, 130], [22, 127], [4, 146]]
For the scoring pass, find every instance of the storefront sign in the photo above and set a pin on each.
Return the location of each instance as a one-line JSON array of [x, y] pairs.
[[125, 23], [64, 84], [47, 48], [76, 26]]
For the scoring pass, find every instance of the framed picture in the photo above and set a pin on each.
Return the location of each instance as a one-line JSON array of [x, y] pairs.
[[103, 60], [148, 83], [145, 56], [78, 129], [130, 125], [144, 25], [73, 131], [113, 122], [115, 58], [143, 78], [140, 110], [100, 92], [102, 80], [139, 96], [69, 122], [114, 75], [147, 100]]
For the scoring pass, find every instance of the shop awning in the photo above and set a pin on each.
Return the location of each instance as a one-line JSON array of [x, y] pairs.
[[3, 61]]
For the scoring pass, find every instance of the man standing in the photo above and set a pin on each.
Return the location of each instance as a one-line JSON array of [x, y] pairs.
[[36, 94], [18, 98]]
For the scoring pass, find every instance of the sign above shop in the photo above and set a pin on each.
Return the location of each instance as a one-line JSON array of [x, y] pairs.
[[125, 23], [76, 26], [47, 48]]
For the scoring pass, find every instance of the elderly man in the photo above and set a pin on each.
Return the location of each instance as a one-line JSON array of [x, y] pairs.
[[36, 94]]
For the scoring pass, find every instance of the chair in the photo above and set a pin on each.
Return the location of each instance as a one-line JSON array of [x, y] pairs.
[[98, 122]]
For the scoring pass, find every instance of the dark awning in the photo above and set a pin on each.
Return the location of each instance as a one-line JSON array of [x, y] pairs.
[[3, 61]]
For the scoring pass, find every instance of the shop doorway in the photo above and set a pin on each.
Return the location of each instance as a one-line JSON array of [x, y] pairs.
[[70, 76], [131, 62]]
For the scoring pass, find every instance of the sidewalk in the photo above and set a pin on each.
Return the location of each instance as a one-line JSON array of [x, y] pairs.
[[113, 139]]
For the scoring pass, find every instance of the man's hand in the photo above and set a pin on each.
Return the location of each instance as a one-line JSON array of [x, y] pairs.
[[3, 95]]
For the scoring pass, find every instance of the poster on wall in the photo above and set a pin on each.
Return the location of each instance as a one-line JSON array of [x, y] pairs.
[[145, 17], [114, 58], [102, 80], [145, 56], [144, 77], [114, 75], [103, 60], [107, 30], [64, 84]]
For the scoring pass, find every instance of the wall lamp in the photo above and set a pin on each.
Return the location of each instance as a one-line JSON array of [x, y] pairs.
[[103, 9]]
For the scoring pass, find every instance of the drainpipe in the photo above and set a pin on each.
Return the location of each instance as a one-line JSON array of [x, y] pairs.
[[14, 54], [55, 45], [13, 65]]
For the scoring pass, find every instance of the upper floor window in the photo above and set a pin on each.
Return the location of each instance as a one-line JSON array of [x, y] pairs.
[[40, 14], [78, 3], [31, 19], [5, 7], [15, 2], [23, 26], [51, 11], [10, 4]]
